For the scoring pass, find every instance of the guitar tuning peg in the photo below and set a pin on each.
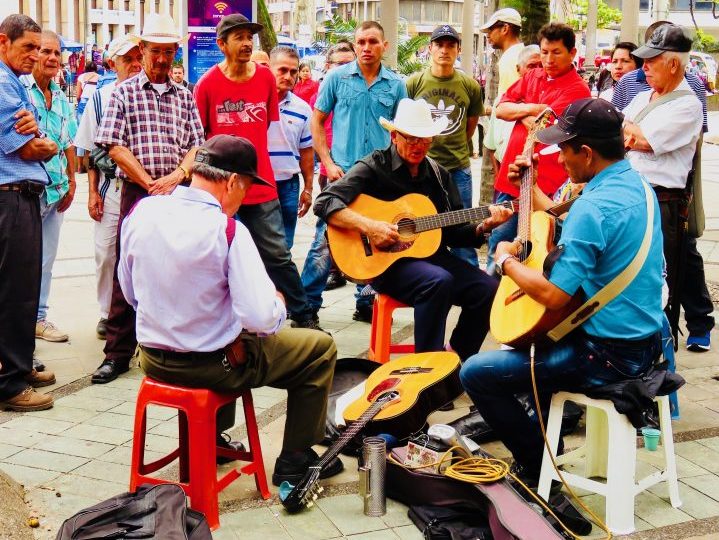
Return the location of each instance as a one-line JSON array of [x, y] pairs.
[[314, 497], [310, 504], [320, 489]]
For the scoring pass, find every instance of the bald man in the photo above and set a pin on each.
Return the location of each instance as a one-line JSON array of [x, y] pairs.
[[260, 57]]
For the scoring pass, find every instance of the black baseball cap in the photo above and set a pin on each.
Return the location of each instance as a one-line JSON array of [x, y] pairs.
[[234, 21], [668, 37], [589, 117], [232, 154], [445, 31]]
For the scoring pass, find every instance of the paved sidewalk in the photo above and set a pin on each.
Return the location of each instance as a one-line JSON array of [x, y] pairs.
[[78, 453]]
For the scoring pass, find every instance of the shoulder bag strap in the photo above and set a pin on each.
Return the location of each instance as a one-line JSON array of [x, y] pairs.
[[230, 230], [671, 96], [438, 176], [615, 287]]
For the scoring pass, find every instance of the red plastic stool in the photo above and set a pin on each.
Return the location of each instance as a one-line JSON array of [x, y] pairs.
[[380, 341], [197, 451]]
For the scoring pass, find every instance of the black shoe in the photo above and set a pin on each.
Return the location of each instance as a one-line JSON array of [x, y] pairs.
[[225, 441], [37, 365], [292, 466], [311, 323], [363, 314], [335, 281], [109, 371], [101, 329]]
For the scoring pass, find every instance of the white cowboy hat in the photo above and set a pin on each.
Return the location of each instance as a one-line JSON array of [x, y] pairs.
[[414, 118], [160, 29]]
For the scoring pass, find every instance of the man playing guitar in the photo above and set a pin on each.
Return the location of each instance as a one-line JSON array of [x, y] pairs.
[[432, 285], [603, 230]]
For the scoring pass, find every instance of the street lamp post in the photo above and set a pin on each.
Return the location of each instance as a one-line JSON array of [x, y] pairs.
[[292, 18]]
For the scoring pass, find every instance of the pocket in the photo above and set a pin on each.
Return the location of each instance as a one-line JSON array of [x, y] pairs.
[[345, 92], [383, 105]]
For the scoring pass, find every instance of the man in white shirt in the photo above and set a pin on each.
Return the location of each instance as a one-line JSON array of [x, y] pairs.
[[662, 141], [103, 202], [196, 280], [502, 30], [289, 142]]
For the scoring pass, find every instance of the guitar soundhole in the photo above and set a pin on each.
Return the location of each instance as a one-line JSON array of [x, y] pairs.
[[405, 226], [526, 250]]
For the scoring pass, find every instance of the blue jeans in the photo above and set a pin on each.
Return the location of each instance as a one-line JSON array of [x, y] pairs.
[[506, 232], [51, 223], [577, 363], [317, 267], [288, 192], [463, 180]]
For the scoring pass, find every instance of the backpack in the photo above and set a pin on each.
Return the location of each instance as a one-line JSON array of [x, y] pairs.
[[153, 511]]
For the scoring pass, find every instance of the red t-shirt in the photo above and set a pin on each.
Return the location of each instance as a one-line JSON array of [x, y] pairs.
[[243, 109], [305, 90], [557, 93]]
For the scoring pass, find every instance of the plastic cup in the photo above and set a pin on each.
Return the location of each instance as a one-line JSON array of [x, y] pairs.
[[651, 438]]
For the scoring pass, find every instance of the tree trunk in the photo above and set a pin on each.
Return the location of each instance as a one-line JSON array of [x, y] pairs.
[[536, 15], [268, 37]]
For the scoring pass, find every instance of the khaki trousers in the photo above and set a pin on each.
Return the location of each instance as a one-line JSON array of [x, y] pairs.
[[298, 360]]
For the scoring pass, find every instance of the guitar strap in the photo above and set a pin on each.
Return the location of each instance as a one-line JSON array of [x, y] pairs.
[[615, 287], [438, 176]]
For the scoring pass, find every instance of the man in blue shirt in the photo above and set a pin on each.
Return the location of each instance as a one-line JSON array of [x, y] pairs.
[[357, 94], [23, 148], [600, 235]]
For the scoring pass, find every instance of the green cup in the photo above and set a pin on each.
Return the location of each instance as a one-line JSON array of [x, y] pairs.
[[651, 438]]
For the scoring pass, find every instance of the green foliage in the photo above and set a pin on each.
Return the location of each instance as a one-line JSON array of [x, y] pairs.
[[606, 16], [337, 28], [407, 62], [705, 42], [268, 37], [535, 14]]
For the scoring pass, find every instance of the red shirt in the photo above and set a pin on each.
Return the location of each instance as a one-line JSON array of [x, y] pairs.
[[243, 109], [306, 89], [557, 93]]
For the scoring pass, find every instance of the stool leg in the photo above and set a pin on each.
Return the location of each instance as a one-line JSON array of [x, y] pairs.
[[255, 449], [138, 444], [383, 334], [596, 444], [621, 469], [554, 429], [203, 468], [670, 464], [373, 330], [184, 442]]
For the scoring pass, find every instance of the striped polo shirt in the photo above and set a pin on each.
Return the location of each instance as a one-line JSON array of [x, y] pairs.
[[287, 137]]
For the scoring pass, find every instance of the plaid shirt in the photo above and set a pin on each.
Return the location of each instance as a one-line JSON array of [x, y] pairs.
[[158, 129]]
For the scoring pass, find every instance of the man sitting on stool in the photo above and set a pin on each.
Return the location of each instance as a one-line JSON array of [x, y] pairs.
[[194, 295]]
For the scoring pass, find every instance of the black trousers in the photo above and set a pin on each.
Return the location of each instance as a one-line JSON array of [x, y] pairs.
[[20, 269], [695, 299]]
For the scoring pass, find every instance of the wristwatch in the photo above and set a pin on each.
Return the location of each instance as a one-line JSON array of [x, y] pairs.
[[184, 171], [501, 260]]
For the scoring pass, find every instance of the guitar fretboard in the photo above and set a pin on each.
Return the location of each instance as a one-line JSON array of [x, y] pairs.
[[456, 217]]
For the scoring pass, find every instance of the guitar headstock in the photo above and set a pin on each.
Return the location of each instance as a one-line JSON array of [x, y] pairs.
[[546, 118], [304, 494]]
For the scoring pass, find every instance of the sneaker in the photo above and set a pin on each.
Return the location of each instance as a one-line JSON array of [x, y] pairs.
[[363, 314], [101, 329], [49, 332], [699, 342], [335, 281], [38, 380], [292, 466], [27, 401]]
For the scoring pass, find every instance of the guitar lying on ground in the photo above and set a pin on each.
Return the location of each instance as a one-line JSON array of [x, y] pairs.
[[418, 225]]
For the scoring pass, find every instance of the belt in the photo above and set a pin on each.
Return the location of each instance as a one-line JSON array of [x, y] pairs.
[[231, 356], [670, 194], [28, 188]]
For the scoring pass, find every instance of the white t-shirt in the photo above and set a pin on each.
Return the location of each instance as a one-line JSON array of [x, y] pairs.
[[507, 67], [672, 129]]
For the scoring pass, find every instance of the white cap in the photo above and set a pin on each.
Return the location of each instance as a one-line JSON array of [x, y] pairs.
[[160, 29], [506, 15], [122, 45]]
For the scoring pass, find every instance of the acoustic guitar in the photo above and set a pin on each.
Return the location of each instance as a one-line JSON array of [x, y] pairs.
[[516, 319], [397, 399], [419, 226]]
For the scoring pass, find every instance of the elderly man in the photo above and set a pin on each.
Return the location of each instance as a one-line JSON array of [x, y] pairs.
[[239, 97], [57, 120], [183, 337], [434, 284], [457, 96], [23, 148], [261, 58], [103, 201], [661, 131], [151, 129]]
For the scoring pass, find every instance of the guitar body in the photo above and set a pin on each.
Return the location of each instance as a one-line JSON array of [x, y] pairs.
[[359, 260], [424, 381], [516, 319]]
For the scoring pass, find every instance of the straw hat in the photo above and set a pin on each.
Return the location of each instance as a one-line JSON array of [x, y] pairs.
[[414, 118], [160, 29]]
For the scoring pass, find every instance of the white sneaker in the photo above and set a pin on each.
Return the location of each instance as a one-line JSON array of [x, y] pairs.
[[49, 332]]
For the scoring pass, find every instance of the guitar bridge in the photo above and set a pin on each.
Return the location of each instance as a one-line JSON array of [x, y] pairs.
[[366, 245], [516, 295]]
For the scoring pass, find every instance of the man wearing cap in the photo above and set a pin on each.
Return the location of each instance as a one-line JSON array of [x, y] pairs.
[[556, 85], [600, 234], [103, 202], [151, 130], [661, 147], [183, 337], [432, 285], [239, 97], [502, 31], [456, 96]]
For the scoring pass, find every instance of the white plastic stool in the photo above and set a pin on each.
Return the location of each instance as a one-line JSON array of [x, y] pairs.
[[610, 452]]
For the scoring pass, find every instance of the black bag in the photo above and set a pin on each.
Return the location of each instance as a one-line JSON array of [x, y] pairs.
[[151, 512], [455, 523], [100, 159]]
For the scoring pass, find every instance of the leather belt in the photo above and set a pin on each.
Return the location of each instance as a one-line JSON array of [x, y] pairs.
[[670, 195], [184, 356], [28, 188]]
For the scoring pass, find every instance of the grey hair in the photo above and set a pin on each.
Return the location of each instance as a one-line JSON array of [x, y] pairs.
[[285, 50], [208, 172], [683, 57], [52, 35], [14, 26], [526, 53]]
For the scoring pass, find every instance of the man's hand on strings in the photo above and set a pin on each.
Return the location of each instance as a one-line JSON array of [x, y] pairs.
[[382, 234], [513, 248], [498, 214], [516, 169]]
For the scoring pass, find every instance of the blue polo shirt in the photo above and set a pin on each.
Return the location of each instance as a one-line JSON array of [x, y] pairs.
[[14, 98], [357, 108], [600, 236]]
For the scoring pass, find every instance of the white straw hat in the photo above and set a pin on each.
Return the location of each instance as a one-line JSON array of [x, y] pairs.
[[160, 29], [414, 118]]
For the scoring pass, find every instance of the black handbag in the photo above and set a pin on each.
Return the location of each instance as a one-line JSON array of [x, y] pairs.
[[100, 159]]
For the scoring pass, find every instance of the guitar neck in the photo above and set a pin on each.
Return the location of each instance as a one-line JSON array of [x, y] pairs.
[[456, 217]]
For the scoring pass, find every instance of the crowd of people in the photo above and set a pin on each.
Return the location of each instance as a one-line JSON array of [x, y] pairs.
[[195, 191]]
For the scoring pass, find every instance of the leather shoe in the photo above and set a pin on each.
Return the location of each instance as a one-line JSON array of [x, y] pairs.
[[291, 466], [37, 365], [37, 379], [363, 314], [109, 371], [27, 401], [335, 281], [101, 329], [225, 441]]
